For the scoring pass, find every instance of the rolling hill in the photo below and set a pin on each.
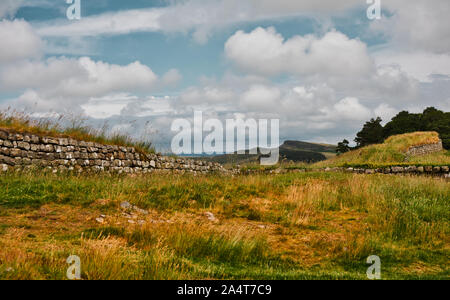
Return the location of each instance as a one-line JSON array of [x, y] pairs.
[[295, 151]]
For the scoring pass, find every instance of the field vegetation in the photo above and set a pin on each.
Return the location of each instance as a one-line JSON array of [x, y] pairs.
[[287, 226]]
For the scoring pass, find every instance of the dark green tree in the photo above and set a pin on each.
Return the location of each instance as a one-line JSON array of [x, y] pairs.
[[372, 133], [431, 119], [343, 147], [404, 122]]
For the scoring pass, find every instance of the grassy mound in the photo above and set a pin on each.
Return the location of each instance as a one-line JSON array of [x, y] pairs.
[[392, 151]]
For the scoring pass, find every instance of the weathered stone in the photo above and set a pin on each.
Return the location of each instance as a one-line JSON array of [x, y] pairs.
[[8, 144], [411, 169], [397, 169], [425, 149], [3, 135], [50, 140], [63, 142]]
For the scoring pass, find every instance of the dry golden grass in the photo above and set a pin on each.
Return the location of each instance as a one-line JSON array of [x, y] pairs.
[[285, 226]]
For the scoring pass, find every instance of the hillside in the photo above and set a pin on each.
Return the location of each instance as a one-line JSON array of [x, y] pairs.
[[392, 151], [295, 151]]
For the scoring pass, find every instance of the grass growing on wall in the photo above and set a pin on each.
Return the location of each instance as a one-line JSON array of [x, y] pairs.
[[75, 128], [289, 226]]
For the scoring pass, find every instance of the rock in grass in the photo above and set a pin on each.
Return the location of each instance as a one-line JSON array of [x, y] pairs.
[[211, 217], [126, 205]]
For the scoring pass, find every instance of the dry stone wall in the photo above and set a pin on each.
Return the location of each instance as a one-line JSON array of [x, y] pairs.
[[26, 151], [425, 149]]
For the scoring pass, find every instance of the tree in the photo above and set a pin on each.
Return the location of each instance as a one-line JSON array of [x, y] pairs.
[[431, 119], [372, 133], [403, 122], [343, 147]]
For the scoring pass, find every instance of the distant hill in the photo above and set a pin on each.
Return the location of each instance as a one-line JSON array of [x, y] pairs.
[[392, 151], [295, 151]]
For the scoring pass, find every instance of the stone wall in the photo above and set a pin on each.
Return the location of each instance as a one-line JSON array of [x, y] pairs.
[[26, 151], [441, 171], [425, 149]]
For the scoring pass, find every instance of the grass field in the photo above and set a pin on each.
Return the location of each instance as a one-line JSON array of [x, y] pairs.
[[289, 226]]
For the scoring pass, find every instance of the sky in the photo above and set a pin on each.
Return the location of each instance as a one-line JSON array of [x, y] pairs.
[[322, 68]]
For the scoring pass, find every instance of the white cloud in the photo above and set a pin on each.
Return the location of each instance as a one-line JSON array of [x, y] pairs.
[[261, 98], [107, 106], [172, 77], [420, 25], [197, 16], [264, 51], [419, 65], [82, 85], [77, 77], [213, 95], [348, 109], [9, 7], [385, 112], [18, 41]]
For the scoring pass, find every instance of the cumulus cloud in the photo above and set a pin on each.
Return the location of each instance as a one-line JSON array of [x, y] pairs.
[[266, 52], [172, 77], [95, 88], [18, 41], [77, 77]]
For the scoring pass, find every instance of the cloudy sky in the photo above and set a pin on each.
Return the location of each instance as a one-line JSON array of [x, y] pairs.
[[322, 67]]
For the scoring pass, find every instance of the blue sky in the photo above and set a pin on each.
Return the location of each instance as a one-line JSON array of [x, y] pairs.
[[321, 67]]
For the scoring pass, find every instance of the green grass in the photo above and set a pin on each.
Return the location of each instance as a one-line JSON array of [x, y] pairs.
[[315, 226]]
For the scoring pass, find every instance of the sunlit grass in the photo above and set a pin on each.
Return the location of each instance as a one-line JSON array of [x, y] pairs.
[[290, 226]]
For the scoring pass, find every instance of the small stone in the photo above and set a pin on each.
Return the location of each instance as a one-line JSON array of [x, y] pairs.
[[100, 220], [126, 205], [211, 217], [141, 211]]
